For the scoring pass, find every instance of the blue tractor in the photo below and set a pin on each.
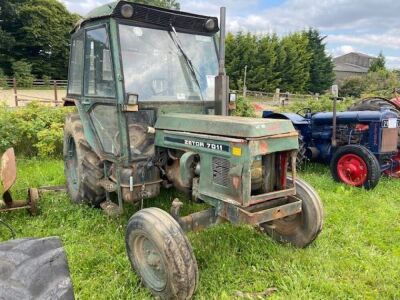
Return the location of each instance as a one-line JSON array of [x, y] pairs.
[[358, 145]]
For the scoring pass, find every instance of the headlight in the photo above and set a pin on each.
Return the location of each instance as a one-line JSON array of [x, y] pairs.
[[210, 24], [127, 11]]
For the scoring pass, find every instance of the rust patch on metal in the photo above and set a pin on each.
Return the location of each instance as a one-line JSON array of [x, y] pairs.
[[263, 147], [275, 136], [236, 182], [8, 172]]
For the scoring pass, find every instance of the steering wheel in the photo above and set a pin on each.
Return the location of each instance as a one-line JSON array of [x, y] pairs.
[[306, 110]]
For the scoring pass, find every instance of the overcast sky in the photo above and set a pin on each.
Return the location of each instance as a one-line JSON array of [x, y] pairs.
[[367, 26]]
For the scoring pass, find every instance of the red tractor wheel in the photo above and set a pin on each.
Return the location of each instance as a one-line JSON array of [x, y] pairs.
[[355, 165]]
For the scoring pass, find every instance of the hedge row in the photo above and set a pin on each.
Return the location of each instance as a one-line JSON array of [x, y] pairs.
[[34, 130]]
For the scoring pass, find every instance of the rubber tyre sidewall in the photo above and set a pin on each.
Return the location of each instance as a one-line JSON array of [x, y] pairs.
[[372, 163], [174, 247], [71, 132], [312, 217]]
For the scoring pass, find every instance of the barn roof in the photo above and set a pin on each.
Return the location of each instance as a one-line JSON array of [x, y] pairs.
[[346, 67]]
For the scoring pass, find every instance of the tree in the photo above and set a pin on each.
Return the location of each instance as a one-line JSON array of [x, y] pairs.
[[378, 64], [321, 65], [271, 62], [37, 30], [23, 73], [3, 82], [241, 50], [294, 63], [266, 76]]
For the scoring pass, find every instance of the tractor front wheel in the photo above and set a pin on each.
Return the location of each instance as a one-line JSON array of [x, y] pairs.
[[355, 165], [300, 229], [161, 254]]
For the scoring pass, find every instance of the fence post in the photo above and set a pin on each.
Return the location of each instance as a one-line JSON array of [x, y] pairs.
[[55, 93], [277, 96], [15, 91]]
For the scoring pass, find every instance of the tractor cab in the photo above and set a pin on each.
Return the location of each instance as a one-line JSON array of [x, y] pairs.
[[148, 61]]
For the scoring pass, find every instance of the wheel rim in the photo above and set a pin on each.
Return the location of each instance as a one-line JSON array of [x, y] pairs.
[[72, 164], [352, 169], [149, 262], [289, 225]]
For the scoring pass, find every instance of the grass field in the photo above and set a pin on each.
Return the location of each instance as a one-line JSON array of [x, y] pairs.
[[357, 255]]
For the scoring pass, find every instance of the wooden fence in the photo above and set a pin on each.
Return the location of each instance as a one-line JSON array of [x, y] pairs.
[[20, 97], [277, 98]]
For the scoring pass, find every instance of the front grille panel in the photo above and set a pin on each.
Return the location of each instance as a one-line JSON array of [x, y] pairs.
[[389, 139], [220, 167]]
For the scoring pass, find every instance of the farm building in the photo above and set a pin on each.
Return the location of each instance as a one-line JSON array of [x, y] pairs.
[[351, 64]]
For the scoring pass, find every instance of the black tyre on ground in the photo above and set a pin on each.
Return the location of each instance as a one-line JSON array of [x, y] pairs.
[[161, 254], [301, 229], [34, 269], [83, 169], [355, 165]]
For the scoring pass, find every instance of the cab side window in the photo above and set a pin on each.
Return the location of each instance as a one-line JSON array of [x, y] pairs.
[[99, 80], [76, 66]]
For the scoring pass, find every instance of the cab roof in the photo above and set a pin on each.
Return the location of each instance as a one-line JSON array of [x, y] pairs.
[[152, 15]]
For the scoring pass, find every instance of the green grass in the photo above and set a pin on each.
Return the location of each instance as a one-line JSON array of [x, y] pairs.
[[357, 255]]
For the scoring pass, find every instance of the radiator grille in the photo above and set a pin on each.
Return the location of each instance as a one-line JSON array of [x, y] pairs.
[[221, 168], [389, 139]]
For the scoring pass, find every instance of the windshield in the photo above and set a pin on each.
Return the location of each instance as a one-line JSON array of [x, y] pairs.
[[156, 69]]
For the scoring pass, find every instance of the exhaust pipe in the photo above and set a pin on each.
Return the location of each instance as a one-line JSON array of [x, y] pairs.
[[222, 80]]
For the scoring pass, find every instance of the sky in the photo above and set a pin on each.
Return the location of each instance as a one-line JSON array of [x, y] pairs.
[[367, 26]]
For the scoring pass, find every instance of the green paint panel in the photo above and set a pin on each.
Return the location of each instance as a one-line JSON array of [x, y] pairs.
[[224, 125], [102, 11]]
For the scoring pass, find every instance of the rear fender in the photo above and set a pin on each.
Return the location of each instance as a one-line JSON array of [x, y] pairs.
[[296, 119]]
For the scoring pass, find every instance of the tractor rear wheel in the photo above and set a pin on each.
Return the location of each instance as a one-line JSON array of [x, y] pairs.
[[161, 254], [33, 268], [355, 165], [83, 168], [300, 229]]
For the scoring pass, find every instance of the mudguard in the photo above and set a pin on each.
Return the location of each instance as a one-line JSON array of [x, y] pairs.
[[296, 119]]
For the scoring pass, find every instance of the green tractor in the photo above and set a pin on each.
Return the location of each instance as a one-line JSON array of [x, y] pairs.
[[153, 107]]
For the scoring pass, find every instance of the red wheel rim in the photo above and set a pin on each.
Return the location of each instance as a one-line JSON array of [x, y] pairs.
[[352, 169]]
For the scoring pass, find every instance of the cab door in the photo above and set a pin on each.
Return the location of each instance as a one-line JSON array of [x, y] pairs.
[[99, 101]]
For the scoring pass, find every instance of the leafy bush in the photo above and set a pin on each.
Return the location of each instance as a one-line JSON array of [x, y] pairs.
[[353, 86], [23, 73], [46, 80], [244, 108], [324, 103], [32, 130], [379, 83]]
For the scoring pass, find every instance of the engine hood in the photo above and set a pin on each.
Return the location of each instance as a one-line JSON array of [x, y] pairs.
[[350, 117], [239, 127]]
